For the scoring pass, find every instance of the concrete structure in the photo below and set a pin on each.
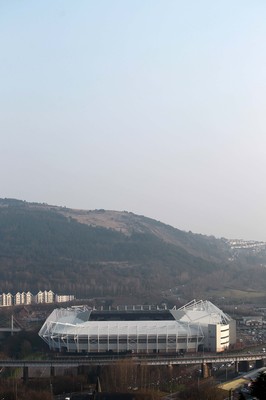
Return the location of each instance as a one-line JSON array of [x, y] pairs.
[[191, 328]]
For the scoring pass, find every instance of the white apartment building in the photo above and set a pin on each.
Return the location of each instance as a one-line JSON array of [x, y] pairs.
[[19, 298], [29, 298], [7, 299], [39, 298], [49, 297], [45, 297], [63, 298], [24, 298]]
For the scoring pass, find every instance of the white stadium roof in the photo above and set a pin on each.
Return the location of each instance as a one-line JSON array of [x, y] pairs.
[[67, 321], [203, 312]]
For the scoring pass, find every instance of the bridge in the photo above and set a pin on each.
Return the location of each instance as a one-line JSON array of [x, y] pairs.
[[241, 361], [67, 362]]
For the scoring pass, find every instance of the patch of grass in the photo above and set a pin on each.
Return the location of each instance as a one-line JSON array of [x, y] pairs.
[[237, 294]]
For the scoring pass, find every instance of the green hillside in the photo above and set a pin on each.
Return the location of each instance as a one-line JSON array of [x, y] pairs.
[[113, 254]]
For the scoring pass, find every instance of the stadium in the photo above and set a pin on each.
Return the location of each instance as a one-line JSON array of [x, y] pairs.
[[197, 326]]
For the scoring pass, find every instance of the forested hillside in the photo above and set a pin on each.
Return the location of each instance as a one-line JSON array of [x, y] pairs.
[[113, 254]]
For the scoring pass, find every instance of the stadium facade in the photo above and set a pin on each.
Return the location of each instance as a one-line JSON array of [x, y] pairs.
[[196, 326]]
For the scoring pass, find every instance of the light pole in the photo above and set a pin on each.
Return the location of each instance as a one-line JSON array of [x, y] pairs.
[[51, 389]]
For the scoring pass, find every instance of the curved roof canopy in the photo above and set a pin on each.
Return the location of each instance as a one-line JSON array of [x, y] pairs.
[[203, 312]]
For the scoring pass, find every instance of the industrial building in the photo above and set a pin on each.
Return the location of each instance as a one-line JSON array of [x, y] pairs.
[[196, 326]]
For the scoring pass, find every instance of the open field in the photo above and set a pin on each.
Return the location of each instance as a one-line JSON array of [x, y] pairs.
[[237, 294]]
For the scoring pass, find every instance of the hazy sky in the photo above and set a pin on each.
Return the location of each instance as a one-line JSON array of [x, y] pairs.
[[155, 107]]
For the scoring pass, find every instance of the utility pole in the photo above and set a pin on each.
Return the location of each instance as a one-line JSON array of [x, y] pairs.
[[12, 324]]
